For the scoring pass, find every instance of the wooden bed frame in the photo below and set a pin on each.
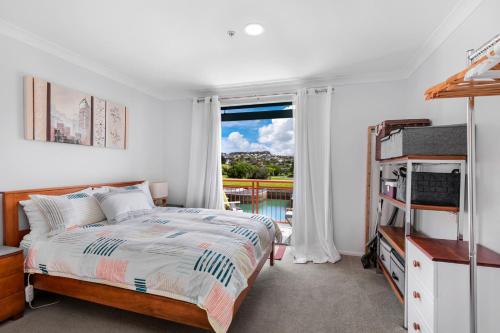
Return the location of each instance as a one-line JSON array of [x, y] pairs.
[[147, 304]]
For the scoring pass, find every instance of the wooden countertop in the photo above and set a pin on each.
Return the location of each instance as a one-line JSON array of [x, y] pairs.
[[453, 251]]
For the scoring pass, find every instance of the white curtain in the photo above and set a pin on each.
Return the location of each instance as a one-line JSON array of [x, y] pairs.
[[205, 170], [312, 236]]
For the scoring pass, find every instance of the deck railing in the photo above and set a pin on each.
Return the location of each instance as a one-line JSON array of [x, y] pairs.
[[267, 197]]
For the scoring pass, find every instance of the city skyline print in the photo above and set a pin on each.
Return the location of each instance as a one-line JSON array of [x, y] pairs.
[[70, 116], [59, 114]]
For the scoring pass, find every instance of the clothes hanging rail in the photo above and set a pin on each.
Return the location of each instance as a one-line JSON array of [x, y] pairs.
[[474, 55], [480, 78]]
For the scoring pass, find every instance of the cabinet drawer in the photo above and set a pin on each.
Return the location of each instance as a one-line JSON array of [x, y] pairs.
[[11, 264], [385, 255], [416, 323], [11, 284], [420, 299], [419, 266], [11, 306], [397, 272]]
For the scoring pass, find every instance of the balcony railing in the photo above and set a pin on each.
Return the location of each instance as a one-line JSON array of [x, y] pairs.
[[267, 197]]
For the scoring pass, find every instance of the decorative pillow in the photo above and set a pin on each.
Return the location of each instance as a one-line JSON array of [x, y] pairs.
[[82, 208], [144, 187], [36, 220], [121, 205], [87, 209], [58, 212]]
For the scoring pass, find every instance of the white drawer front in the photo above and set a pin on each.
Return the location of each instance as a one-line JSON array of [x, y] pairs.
[[420, 267], [385, 257], [416, 323], [421, 300]]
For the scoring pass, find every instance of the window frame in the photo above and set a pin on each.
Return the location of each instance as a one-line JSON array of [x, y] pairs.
[[256, 115]]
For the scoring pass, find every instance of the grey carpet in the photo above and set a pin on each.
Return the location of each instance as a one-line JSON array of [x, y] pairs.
[[331, 298]]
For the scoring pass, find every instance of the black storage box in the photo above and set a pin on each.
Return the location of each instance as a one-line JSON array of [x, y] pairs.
[[432, 188]]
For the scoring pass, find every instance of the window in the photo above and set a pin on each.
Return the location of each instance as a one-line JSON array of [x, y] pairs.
[[257, 159], [257, 141]]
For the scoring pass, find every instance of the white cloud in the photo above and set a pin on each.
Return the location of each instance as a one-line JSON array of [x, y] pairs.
[[276, 137], [235, 141]]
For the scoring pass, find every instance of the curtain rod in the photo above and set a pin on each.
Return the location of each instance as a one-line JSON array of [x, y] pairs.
[[284, 93]]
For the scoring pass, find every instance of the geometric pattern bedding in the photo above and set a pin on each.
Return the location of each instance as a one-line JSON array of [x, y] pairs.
[[199, 256]]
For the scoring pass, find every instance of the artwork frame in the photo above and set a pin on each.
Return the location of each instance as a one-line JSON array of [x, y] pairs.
[[55, 113], [116, 120]]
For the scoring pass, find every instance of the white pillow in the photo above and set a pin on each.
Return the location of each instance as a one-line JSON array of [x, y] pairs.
[[58, 212], [81, 209], [36, 220], [87, 209], [104, 189], [144, 187], [121, 205]]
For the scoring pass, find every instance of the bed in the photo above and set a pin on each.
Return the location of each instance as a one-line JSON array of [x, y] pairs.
[[203, 237]]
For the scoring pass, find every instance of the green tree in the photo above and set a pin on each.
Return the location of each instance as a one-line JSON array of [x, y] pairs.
[[241, 170], [225, 168], [261, 173]]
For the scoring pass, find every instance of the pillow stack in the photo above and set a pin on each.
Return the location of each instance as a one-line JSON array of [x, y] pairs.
[[62, 212], [49, 215]]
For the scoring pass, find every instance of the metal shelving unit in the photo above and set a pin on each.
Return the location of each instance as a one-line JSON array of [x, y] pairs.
[[396, 237]]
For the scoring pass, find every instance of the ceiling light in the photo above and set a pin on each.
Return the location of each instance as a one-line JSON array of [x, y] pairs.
[[254, 29]]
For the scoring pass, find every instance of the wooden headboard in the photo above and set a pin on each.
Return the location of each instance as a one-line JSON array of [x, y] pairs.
[[12, 236]]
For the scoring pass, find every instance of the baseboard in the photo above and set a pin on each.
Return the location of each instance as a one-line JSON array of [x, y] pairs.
[[351, 253]]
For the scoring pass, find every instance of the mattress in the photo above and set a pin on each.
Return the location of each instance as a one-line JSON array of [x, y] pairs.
[[200, 256]]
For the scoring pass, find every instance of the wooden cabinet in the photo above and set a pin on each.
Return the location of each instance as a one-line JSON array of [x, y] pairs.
[[439, 288], [11, 283]]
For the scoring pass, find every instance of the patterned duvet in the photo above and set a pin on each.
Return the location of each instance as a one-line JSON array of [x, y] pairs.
[[196, 255]]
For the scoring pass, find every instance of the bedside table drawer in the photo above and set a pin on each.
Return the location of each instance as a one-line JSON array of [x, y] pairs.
[[11, 284], [12, 264], [12, 306]]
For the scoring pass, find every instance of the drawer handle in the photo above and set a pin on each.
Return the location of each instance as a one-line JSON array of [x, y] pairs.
[[395, 277], [382, 257], [416, 263], [416, 327], [416, 295]]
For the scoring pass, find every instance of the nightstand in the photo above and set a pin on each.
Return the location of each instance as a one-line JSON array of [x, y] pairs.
[[11, 283]]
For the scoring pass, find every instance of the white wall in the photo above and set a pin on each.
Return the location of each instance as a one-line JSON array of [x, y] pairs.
[[356, 107], [30, 164], [178, 130], [447, 60]]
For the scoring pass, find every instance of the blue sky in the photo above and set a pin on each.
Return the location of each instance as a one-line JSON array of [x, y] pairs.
[[249, 128], [274, 135]]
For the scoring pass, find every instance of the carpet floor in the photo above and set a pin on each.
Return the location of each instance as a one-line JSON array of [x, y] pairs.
[[331, 298]]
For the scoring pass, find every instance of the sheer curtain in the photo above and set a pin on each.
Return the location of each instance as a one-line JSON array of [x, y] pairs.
[[312, 236], [205, 170]]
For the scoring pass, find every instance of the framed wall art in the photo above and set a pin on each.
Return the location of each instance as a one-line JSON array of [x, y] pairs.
[[56, 113]]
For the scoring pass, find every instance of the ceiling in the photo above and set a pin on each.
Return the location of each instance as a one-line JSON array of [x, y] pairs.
[[175, 48]]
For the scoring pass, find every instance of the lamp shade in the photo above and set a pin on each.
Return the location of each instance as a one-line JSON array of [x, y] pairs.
[[159, 190]]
